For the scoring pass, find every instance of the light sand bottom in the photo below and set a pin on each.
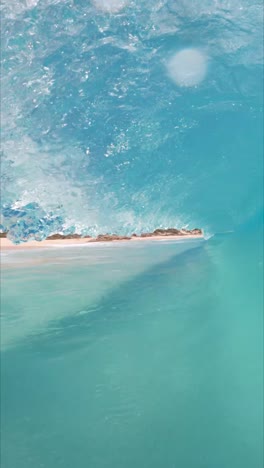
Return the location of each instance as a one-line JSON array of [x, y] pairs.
[[6, 244]]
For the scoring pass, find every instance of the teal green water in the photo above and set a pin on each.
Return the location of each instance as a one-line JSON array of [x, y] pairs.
[[146, 355]]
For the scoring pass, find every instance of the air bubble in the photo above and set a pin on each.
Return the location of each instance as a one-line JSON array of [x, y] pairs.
[[188, 67]]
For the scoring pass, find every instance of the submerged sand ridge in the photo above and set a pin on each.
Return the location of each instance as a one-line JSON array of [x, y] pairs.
[[73, 239]]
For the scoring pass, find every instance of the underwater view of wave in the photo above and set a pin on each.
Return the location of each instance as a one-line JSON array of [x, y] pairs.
[[124, 116]]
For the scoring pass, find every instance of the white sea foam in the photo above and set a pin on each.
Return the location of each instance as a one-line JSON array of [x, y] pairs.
[[110, 6]]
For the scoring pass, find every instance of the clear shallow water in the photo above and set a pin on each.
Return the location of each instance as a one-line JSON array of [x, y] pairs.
[[161, 367], [56, 278]]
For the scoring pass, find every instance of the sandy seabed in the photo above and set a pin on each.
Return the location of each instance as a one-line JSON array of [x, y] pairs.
[[6, 244]]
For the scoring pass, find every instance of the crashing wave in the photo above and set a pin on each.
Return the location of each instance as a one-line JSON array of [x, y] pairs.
[[100, 132]]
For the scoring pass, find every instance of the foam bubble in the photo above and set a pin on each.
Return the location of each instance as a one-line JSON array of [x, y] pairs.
[[110, 6], [188, 67]]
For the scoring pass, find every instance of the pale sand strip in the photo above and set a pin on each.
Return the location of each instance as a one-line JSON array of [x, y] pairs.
[[6, 244]]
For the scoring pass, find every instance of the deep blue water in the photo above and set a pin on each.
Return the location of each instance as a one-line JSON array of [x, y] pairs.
[[125, 116]]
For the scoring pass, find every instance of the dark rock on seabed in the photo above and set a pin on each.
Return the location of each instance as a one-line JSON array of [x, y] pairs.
[[116, 237]]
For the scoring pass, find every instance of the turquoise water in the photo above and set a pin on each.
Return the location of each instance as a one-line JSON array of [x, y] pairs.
[[123, 116], [148, 356]]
